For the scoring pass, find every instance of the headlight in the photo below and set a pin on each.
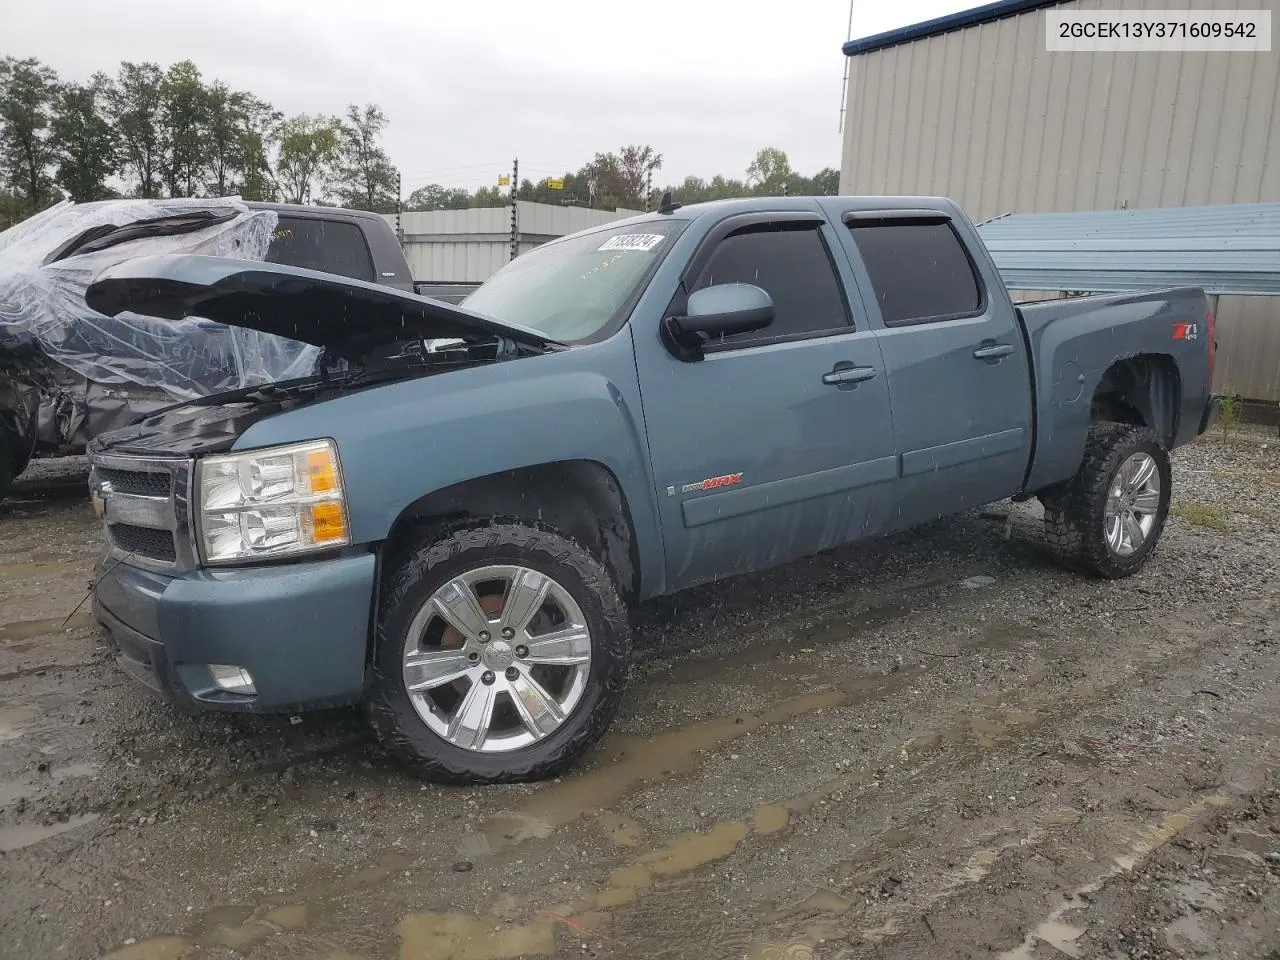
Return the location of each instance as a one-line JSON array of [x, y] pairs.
[[273, 502]]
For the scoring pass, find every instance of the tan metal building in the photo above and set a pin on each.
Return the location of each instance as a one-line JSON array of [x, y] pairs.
[[469, 246], [972, 106]]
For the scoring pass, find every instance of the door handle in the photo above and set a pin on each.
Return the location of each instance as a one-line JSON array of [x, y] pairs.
[[845, 374], [993, 351]]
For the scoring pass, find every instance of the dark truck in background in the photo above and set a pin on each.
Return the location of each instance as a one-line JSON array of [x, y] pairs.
[[450, 530], [123, 368]]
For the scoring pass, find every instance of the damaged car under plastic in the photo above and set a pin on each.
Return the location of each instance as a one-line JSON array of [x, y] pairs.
[[69, 373]]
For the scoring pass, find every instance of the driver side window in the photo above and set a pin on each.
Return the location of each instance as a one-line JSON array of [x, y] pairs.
[[794, 268]]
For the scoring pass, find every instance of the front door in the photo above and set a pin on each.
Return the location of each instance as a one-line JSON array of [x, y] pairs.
[[779, 442], [958, 368]]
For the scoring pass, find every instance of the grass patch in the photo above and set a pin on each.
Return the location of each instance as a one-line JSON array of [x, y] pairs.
[[1204, 515]]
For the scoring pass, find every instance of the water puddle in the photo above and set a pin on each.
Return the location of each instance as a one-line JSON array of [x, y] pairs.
[[1062, 936], [620, 830], [980, 865], [1200, 896], [771, 818], [797, 950], [73, 771], [992, 730], [823, 901], [1186, 935], [455, 936], [1067, 817], [25, 834], [640, 761], [19, 630], [42, 564], [11, 721], [157, 948]]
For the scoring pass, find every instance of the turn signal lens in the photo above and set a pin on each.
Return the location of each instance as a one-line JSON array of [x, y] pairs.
[[322, 471], [326, 522]]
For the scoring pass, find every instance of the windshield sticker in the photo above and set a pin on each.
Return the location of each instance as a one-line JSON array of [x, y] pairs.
[[642, 242]]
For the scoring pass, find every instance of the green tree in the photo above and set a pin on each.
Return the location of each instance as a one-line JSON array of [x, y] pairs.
[[27, 93], [260, 134], [184, 112], [769, 172], [490, 197], [435, 197], [308, 147], [84, 143], [364, 176], [826, 182], [135, 110]]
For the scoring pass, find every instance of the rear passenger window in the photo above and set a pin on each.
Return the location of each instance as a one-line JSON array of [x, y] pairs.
[[919, 271], [330, 246], [794, 268]]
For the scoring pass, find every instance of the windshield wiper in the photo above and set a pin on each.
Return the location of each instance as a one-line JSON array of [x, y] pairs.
[[109, 235]]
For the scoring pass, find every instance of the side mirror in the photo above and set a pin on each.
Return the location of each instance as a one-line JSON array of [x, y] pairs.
[[716, 311]]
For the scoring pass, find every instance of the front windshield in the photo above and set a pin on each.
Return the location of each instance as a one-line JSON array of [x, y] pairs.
[[572, 289]]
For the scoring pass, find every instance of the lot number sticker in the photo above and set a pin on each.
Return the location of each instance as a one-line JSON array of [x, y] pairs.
[[642, 242]]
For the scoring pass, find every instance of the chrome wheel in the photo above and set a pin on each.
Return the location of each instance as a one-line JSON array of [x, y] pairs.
[[497, 658], [1132, 504]]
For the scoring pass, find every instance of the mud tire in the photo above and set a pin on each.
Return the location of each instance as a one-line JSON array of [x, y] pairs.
[[1074, 513], [416, 574]]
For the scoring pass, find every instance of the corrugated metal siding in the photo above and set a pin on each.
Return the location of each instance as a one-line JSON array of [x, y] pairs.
[[988, 117], [469, 246], [1224, 248]]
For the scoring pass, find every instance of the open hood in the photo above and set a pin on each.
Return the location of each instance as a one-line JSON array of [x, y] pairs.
[[350, 319]]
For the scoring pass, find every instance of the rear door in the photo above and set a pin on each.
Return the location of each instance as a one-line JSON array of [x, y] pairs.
[[957, 366], [779, 442]]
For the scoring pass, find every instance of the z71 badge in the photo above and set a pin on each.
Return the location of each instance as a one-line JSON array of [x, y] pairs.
[[728, 480], [1186, 331]]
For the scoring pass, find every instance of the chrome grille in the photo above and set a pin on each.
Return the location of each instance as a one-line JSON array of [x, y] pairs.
[[129, 481], [144, 505], [143, 541]]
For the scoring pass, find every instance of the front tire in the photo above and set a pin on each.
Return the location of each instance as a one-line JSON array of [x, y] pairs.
[[502, 653], [1107, 520]]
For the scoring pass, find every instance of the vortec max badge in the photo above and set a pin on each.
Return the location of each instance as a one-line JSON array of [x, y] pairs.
[[728, 480]]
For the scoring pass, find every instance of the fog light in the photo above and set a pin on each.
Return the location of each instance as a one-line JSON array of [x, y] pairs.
[[232, 679]]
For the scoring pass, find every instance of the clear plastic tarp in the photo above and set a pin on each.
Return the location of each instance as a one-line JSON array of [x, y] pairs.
[[43, 281]]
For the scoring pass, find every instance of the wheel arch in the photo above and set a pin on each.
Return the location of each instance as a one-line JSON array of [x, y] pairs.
[[1143, 390], [583, 499]]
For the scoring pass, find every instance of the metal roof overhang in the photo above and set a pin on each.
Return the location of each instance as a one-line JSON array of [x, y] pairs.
[[1225, 249]]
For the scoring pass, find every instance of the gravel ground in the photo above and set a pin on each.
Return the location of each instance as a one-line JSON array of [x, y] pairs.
[[932, 745]]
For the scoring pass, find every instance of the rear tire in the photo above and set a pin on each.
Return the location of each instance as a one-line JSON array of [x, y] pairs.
[[506, 689], [1107, 520]]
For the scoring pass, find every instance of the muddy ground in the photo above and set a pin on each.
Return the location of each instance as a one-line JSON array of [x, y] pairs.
[[934, 745]]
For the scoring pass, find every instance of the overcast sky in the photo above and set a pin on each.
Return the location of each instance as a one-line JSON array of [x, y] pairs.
[[468, 85]]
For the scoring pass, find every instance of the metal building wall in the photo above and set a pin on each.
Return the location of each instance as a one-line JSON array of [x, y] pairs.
[[469, 246], [986, 116]]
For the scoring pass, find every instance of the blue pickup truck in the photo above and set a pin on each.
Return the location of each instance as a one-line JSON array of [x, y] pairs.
[[448, 521]]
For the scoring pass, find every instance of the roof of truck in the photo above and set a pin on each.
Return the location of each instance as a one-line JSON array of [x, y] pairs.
[[310, 210]]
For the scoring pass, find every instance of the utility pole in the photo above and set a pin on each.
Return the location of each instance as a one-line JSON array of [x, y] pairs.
[[399, 194], [515, 217]]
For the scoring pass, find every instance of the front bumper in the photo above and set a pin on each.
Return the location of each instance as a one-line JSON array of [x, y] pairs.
[[301, 630]]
